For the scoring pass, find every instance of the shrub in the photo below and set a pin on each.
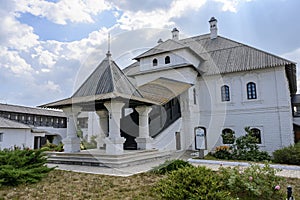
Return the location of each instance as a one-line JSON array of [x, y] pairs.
[[192, 183], [244, 148], [222, 152], [22, 166], [169, 166], [288, 155], [53, 147], [228, 136], [88, 145], [254, 182]]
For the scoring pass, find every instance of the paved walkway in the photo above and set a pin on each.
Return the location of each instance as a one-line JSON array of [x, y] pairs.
[[287, 170], [292, 171]]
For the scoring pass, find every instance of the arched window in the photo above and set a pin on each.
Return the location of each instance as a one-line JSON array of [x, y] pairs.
[[228, 136], [257, 134], [167, 60], [225, 95], [251, 90], [154, 62]]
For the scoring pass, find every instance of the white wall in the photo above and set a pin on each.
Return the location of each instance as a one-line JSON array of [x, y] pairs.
[[270, 112], [181, 56], [187, 75], [18, 137]]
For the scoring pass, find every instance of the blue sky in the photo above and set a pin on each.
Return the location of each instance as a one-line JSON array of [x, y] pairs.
[[49, 47]]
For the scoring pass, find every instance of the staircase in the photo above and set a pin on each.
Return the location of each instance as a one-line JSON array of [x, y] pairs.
[[100, 159]]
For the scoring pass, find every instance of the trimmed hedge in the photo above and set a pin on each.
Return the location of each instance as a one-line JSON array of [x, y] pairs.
[[288, 155]]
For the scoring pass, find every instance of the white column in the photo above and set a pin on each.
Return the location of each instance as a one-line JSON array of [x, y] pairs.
[[114, 142], [144, 141], [71, 142], [103, 122]]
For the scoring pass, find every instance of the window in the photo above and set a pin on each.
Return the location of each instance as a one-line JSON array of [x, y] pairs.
[[83, 122], [1, 137], [228, 136], [154, 62], [225, 96], [256, 133], [167, 60], [251, 90]]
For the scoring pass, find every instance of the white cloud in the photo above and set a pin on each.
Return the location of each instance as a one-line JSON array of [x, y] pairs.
[[64, 10], [231, 5], [158, 18], [51, 86], [15, 35], [12, 61]]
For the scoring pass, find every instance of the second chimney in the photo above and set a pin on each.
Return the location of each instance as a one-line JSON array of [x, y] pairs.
[[175, 34], [213, 28]]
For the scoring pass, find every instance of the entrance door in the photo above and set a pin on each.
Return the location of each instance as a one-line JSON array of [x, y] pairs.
[[39, 142], [178, 143]]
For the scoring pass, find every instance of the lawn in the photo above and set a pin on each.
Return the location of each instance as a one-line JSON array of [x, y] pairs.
[[72, 185]]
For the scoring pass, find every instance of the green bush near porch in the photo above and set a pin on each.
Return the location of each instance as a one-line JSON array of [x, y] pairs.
[[22, 166]]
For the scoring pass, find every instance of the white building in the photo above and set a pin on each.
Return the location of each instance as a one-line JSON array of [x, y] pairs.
[[30, 127], [204, 82]]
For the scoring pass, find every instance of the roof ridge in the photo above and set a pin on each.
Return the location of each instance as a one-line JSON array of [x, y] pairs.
[[136, 90], [111, 73], [87, 78], [31, 108]]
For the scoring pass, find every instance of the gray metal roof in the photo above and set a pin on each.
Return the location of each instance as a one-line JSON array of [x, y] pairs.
[[222, 55], [30, 110], [162, 90], [107, 78], [168, 45], [6, 123], [100, 97], [107, 82]]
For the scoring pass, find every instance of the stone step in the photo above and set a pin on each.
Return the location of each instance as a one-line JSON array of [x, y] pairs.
[[104, 160]]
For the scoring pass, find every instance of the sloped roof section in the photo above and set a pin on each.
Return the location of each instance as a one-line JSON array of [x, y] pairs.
[[162, 90], [168, 45], [223, 55], [107, 78], [6, 123], [31, 110]]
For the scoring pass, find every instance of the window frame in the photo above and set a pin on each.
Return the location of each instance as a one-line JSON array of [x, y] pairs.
[[251, 90], [223, 132], [225, 93], [1, 136], [256, 136], [154, 62], [167, 60]]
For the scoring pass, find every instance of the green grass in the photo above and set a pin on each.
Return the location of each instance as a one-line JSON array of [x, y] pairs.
[[66, 185]]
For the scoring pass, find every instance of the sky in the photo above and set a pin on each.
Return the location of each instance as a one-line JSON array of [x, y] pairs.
[[48, 47]]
